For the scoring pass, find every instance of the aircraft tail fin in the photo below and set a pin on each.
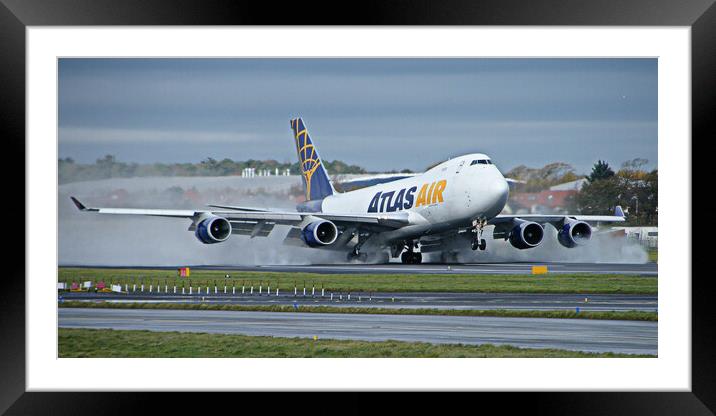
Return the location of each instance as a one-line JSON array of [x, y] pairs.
[[316, 182]]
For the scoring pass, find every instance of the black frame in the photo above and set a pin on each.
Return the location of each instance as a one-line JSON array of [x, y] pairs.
[[15, 15]]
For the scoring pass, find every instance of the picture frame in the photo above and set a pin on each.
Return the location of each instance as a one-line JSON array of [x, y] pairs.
[[16, 16]]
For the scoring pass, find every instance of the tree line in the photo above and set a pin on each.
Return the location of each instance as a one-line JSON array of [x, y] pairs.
[[109, 167], [635, 189], [632, 187]]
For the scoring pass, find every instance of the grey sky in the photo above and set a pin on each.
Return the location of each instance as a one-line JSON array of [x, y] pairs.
[[382, 114]]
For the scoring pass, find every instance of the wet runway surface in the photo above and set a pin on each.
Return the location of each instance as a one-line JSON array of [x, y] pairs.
[[630, 337], [478, 301], [647, 269]]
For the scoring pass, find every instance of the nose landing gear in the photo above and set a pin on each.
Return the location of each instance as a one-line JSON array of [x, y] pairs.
[[477, 240]]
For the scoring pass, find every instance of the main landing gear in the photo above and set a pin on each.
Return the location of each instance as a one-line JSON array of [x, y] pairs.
[[356, 254], [477, 240], [410, 256]]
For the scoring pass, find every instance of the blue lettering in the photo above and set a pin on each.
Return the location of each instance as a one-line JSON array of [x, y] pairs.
[[373, 206], [389, 206], [410, 197], [386, 196], [398, 203]]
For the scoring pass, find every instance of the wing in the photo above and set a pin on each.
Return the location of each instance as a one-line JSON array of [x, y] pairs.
[[254, 222], [504, 223], [556, 219]]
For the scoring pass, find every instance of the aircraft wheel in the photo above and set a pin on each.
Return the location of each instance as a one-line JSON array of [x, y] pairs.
[[417, 258], [405, 257], [483, 244], [475, 244]]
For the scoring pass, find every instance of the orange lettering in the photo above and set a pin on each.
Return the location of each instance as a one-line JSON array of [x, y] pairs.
[[438, 193], [430, 199], [422, 196]]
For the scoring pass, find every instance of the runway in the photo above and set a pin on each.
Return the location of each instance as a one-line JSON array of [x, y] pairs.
[[630, 337], [477, 301], [646, 269]]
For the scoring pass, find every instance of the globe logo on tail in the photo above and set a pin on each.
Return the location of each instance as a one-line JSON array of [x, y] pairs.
[[318, 186]]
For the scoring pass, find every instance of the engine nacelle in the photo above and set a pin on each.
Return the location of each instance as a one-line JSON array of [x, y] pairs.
[[319, 233], [526, 234], [574, 233], [213, 229]]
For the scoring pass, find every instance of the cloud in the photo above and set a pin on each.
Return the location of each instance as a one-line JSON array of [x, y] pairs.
[[377, 113], [90, 135]]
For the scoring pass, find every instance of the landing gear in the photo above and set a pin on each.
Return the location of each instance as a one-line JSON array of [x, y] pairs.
[[356, 254], [477, 240], [410, 256], [481, 244]]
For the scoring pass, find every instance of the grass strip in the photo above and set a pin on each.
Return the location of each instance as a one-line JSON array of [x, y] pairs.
[[557, 314], [365, 283], [108, 343]]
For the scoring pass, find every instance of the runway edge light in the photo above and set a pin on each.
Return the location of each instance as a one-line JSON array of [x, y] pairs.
[[539, 269]]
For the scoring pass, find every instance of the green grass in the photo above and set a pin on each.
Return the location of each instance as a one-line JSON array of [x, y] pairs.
[[113, 343], [560, 314], [549, 283]]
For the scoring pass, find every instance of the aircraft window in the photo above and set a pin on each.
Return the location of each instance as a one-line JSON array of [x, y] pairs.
[[481, 162]]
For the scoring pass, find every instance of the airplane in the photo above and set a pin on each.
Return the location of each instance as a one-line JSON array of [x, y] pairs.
[[456, 199]]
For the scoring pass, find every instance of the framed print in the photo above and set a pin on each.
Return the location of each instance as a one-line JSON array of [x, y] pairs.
[[164, 115]]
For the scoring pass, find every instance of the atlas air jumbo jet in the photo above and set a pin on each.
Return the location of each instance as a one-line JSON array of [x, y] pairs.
[[453, 201]]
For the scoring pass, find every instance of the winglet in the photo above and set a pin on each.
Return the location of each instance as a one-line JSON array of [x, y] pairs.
[[78, 204], [618, 212]]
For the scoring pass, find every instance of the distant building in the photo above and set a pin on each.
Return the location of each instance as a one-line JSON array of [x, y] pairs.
[[548, 201], [569, 186], [646, 236]]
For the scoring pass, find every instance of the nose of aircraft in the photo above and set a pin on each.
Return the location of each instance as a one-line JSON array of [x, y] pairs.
[[499, 192]]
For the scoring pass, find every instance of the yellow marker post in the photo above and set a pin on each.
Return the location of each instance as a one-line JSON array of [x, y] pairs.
[[539, 269]]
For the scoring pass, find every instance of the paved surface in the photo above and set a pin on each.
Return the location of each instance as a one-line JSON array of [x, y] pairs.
[[629, 337], [514, 301], [647, 269]]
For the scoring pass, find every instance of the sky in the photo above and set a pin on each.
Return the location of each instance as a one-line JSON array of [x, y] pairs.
[[381, 114]]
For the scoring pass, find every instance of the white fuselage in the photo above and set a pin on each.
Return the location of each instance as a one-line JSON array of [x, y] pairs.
[[449, 195]]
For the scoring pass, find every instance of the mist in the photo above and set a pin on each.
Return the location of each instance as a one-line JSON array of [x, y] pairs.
[[599, 249], [89, 239]]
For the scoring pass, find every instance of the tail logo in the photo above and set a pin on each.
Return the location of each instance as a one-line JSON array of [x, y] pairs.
[[307, 155]]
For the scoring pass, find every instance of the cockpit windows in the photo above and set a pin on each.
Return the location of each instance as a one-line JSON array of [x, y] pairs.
[[481, 162]]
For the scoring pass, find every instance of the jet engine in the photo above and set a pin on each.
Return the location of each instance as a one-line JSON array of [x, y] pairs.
[[526, 234], [319, 233], [213, 229], [574, 233]]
